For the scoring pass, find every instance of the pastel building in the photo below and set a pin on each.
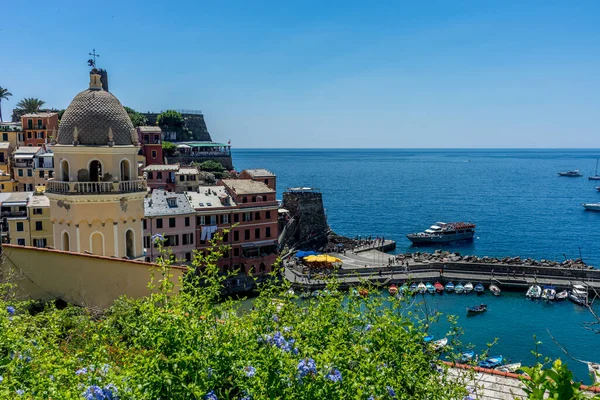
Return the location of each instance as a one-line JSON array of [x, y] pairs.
[[151, 144], [23, 166], [260, 175], [39, 127], [170, 215], [161, 176], [187, 179]]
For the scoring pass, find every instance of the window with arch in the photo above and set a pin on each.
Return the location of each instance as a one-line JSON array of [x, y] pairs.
[[64, 168], [125, 170], [129, 244], [95, 171], [65, 241]]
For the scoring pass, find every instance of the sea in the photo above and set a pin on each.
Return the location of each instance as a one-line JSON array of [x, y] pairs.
[[515, 196]]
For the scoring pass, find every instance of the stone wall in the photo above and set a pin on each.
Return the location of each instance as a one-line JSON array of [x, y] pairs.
[[194, 122], [306, 208]]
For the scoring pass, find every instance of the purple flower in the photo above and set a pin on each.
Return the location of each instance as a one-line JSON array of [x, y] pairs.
[[20, 392], [307, 366], [334, 375], [81, 371], [275, 318], [286, 329], [110, 392], [94, 392], [211, 396], [391, 391], [250, 371], [11, 310]]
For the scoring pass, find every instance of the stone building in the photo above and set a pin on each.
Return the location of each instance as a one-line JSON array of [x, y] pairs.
[[96, 197]]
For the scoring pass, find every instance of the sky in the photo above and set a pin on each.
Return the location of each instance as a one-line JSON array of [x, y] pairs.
[[326, 74]]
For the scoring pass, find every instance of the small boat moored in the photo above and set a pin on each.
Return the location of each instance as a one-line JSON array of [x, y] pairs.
[[477, 309], [430, 288], [459, 288], [440, 344], [438, 287], [534, 292], [509, 367], [449, 287], [491, 362], [468, 287], [413, 288], [549, 293], [562, 295], [479, 289], [467, 356], [578, 295], [421, 288], [572, 174], [393, 290], [495, 290]]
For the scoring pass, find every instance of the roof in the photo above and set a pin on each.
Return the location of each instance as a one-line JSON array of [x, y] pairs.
[[209, 197], [259, 172], [162, 167], [205, 144], [247, 186], [39, 201], [39, 115], [187, 171], [27, 150], [4, 196], [18, 197], [150, 129], [4, 145], [157, 205]]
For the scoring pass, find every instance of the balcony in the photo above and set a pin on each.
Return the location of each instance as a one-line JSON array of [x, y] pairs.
[[35, 128], [77, 188], [23, 164]]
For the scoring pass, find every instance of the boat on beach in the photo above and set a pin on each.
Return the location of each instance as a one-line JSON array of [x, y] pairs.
[[572, 174], [468, 287], [442, 232], [479, 289], [534, 292], [449, 287], [477, 309], [591, 206], [459, 288], [549, 293], [509, 367], [430, 288], [491, 362], [495, 289], [438, 287], [421, 288]]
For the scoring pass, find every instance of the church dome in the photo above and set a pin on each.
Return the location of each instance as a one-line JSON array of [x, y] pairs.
[[96, 118]]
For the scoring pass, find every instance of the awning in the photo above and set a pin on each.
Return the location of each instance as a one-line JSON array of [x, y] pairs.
[[282, 210], [24, 155], [183, 146], [302, 253], [258, 244]]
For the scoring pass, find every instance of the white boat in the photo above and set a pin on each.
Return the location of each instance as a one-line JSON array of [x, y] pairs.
[[534, 292], [594, 369], [440, 344], [549, 293], [509, 367], [442, 232], [495, 289], [595, 177], [572, 174], [578, 295], [468, 287], [591, 206], [459, 288], [562, 295], [421, 288]]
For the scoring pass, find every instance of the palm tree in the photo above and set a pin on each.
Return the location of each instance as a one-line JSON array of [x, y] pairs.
[[4, 94], [30, 105]]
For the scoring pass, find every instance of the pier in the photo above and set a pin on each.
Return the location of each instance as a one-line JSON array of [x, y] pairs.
[[372, 266]]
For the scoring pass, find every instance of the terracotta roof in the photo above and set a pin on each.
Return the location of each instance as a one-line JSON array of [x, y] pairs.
[[150, 129], [162, 167], [39, 115], [247, 186], [259, 172]]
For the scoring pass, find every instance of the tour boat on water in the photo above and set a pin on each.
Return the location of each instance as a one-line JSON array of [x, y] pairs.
[[573, 174], [578, 295], [442, 232], [591, 206]]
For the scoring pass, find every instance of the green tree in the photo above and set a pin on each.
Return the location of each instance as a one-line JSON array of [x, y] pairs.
[[30, 105], [4, 94], [137, 118], [212, 166], [170, 119], [168, 148]]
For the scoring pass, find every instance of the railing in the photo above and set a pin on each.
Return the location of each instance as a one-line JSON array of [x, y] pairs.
[[23, 164], [9, 214], [35, 127], [54, 186]]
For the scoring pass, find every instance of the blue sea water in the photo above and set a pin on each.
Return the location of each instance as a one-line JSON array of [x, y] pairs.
[[519, 203]]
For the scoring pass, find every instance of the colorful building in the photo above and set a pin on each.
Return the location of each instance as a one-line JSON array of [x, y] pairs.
[[40, 225], [161, 176], [150, 138], [170, 215], [11, 132], [39, 127], [260, 175], [23, 166], [14, 212], [187, 179], [96, 197]]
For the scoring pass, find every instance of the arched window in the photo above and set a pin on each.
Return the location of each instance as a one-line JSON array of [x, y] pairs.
[[125, 171], [65, 241], [129, 244], [95, 171], [64, 167], [97, 244]]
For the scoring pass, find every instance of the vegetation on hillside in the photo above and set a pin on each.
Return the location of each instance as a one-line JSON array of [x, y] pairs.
[[137, 118]]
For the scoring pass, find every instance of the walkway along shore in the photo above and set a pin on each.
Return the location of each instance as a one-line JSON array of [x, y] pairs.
[[373, 266]]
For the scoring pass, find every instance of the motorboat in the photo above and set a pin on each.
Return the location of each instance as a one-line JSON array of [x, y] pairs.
[[421, 288], [428, 338], [509, 367], [549, 293], [477, 309], [440, 344], [491, 362], [534, 292], [479, 289], [594, 369], [393, 290], [495, 290], [449, 287], [562, 295], [572, 174], [578, 295], [413, 288], [467, 356], [591, 206], [595, 177], [430, 288], [442, 232], [438, 287], [579, 290], [468, 287], [459, 288]]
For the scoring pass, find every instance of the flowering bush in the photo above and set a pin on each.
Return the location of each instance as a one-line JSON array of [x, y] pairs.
[[197, 345]]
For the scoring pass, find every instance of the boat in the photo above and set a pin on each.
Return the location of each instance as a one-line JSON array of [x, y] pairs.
[[598, 188], [595, 177], [578, 295], [440, 344], [442, 232], [438, 287], [421, 288], [573, 174], [428, 338], [549, 293], [534, 292], [413, 288], [491, 362], [562, 295], [477, 309], [449, 287], [459, 288], [363, 292], [467, 356], [354, 292], [430, 287], [468, 287], [591, 206], [479, 288], [509, 367], [594, 369], [393, 290], [495, 290]]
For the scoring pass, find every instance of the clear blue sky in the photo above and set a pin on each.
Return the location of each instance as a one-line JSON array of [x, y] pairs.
[[326, 73]]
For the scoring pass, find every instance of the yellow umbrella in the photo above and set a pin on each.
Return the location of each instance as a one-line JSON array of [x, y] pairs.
[[310, 258]]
